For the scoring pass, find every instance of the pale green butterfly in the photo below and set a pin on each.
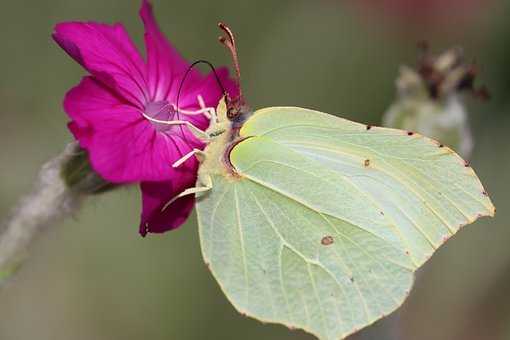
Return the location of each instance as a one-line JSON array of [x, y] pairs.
[[319, 223]]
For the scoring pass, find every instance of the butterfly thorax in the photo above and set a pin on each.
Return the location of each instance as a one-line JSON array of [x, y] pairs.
[[224, 135]]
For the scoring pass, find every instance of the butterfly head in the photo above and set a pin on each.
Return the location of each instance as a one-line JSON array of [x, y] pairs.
[[230, 116]]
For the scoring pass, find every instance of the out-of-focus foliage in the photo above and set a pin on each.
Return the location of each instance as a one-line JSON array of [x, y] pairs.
[[416, 13], [95, 278]]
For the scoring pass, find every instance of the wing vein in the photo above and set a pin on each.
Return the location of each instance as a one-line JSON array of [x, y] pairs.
[[317, 297], [292, 197], [367, 254], [283, 242], [400, 180], [372, 198], [241, 240], [213, 216]]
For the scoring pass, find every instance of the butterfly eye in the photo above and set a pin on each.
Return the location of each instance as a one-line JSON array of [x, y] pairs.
[[231, 113]]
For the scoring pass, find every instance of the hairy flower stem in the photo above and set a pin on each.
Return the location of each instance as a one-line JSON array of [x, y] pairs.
[[61, 186]]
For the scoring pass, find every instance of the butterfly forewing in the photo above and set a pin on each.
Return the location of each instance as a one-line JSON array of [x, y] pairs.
[[326, 220]]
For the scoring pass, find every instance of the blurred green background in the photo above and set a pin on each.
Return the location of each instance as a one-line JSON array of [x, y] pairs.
[[94, 277]]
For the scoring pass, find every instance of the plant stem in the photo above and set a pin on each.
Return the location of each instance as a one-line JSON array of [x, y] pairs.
[[50, 201]]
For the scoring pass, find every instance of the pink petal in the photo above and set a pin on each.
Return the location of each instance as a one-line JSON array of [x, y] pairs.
[[165, 66], [82, 133], [155, 195], [123, 145], [108, 53], [209, 89]]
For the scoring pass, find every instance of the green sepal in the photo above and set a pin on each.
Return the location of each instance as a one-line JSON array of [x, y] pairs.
[[79, 175]]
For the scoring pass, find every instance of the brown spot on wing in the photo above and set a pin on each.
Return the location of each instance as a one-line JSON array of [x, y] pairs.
[[327, 240]]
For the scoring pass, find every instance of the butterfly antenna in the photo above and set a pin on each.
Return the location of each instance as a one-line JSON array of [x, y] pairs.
[[218, 80], [229, 42]]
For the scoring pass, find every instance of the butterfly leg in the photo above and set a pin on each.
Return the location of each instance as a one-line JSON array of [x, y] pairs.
[[199, 154], [208, 112], [206, 181], [194, 130], [213, 117]]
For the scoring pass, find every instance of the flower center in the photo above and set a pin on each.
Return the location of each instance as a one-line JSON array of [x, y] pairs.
[[165, 117], [160, 111]]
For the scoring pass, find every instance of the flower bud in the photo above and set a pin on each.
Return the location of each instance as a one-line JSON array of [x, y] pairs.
[[429, 100], [79, 176]]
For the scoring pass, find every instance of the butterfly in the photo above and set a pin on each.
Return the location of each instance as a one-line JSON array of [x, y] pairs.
[[317, 222]]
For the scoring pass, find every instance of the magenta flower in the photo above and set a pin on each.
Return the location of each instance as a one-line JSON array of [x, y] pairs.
[[114, 110]]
